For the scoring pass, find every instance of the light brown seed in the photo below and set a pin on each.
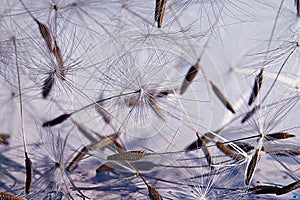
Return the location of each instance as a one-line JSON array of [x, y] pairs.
[[129, 156], [76, 160], [256, 87], [278, 136], [161, 12], [153, 194], [59, 59], [107, 117], [4, 138], [106, 167], [251, 167], [45, 32], [8, 196], [29, 174], [228, 151], [222, 98]]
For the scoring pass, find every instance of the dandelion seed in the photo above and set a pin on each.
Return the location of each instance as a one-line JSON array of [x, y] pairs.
[[4, 138], [222, 98], [251, 167], [129, 156], [8, 196], [29, 174], [189, 78], [107, 117], [106, 167], [153, 193], [284, 153], [164, 93], [59, 59], [278, 136], [250, 114], [264, 189], [160, 8], [75, 161], [48, 84], [256, 87], [57, 120], [45, 32], [228, 151], [156, 109], [195, 145], [297, 2], [205, 151], [288, 188], [244, 146]]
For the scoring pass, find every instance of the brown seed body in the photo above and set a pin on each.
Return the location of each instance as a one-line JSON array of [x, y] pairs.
[[284, 153], [195, 145], [106, 167], [105, 115], [256, 87], [8, 196], [206, 151], [279, 136], [59, 59], [244, 146], [153, 194], [29, 174], [228, 151], [264, 189], [161, 12], [4, 138], [251, 167], [57, 120], [222, 98], [250, 114], [48, 84], [189, 78], [45, 32], [75, 161], [129, 156], [297, 2], [288, 188]]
